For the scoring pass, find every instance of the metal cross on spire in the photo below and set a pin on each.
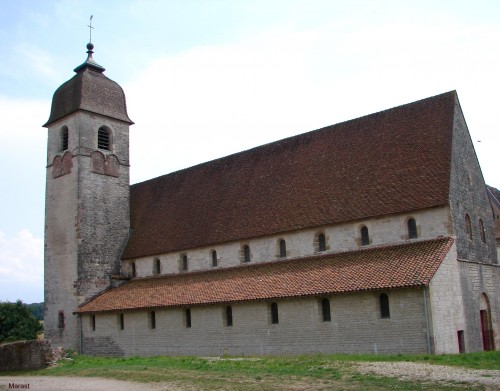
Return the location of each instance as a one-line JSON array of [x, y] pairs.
[[90, 27]]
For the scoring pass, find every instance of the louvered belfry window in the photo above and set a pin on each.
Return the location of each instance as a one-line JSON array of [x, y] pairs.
[[104, 139]]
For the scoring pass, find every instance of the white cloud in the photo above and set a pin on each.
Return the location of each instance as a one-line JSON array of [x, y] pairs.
[[21, 267]]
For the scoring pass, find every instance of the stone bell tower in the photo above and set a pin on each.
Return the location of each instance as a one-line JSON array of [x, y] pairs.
[[87, 195]]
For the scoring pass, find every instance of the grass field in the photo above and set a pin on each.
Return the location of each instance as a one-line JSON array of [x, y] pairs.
[[319, 372]]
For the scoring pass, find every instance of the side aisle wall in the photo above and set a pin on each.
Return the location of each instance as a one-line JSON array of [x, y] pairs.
[[356, 326]]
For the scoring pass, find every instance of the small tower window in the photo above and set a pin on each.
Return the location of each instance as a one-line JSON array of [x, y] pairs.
[[246, 254], [60, 320], [133, 270], [214, 258], [384, 306], [325, 310], [468, 227], [229, 316], [188, 317], [321, 242], [63, 144], [412, 229], [121, 321], [92, 322], [274, 313], [282, 248], [482, 231], [365, 237], [104, 139], [184, 263]]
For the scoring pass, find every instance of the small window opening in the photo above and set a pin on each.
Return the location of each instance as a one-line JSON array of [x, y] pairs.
[[246, 253], [64, 139], [152, 320], [134, 272], [92, 322], [282, 248], [274, 313], [188, 317], [121, 321], [321, 242], [482, 231], [325, 309], [365, 237], [214, 258], [412, 229], [461, 341], [60, 320], [103, 139], [184, 263], [229, 316], [157, 268], [468, 227], [384, 306]]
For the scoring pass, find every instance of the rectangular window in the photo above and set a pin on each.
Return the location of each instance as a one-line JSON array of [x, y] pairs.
[[229, 316], [461, 341], [152, 320], [188, 318], [184, 263], [92, 322], [121, 321], [274, 313]]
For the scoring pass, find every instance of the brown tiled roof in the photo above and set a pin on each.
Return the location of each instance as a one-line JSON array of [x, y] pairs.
[[411, 264], [388, 162]]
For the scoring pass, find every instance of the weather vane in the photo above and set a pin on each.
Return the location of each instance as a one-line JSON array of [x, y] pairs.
[[90, 27]]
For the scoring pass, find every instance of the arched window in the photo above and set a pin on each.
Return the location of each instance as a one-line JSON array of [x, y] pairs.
[[274, 313], [157, 268], [188, 317], [282, 248], [384, 306], [152, 320], [365, 237], [64, 139], [468, 227], [412, 229], [229, 316], [325, 310], [214, 258], [246, 254], [60, 320], [104, 138], [321, 242], [482, 231]]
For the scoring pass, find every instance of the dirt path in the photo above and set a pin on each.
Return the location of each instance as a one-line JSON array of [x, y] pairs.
[[60, 383]]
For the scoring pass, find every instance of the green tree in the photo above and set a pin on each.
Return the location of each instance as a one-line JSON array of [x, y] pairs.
[[37, 309], [17, 322]]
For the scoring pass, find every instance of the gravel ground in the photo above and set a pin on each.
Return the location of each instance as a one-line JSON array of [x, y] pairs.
[[423, 372]]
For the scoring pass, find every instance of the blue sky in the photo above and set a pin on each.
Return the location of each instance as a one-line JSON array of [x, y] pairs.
[[207, 78]]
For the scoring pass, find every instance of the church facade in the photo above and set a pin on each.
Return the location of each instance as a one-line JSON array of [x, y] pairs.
[[373, 235]]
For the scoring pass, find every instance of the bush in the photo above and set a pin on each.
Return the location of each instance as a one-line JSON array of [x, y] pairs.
[[17, 322]]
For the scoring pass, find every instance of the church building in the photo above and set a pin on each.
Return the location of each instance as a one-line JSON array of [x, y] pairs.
[[374, 235]]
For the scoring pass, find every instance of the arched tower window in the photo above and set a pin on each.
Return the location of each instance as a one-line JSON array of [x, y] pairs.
[[365, 237], [468, 226], [214, 258], [104, 138], [384, 306], [60, 320], [321, 242], [282, 248], [325, 310], [64, 139], [482, 231], [412, 229]]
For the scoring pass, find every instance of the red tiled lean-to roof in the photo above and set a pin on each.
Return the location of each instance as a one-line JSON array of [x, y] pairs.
[[388, 162], [411, 264]]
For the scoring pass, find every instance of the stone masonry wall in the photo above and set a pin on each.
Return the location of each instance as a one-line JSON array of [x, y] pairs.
[[25, 355], [356, 326]]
